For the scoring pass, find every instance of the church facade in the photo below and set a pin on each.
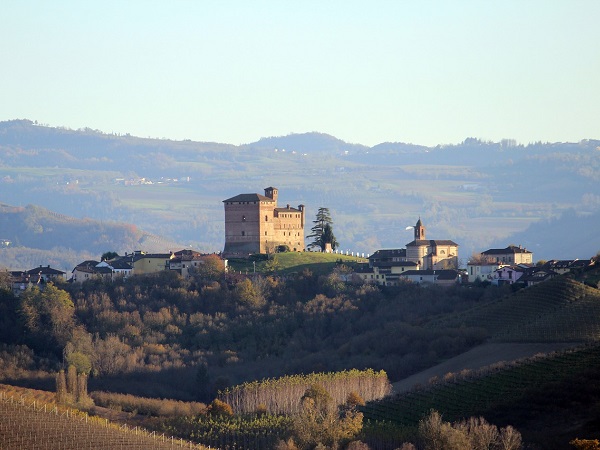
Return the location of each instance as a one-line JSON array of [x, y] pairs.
[[255, 224], [431, 254]]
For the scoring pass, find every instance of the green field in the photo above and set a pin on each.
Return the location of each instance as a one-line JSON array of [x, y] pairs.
[[290, 262]]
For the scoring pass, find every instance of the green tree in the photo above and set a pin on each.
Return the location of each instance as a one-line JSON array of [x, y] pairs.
[[48, 315], [322, 231], [107, 256]]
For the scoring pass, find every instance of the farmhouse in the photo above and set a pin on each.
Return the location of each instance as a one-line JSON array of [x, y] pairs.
[[255, 224]]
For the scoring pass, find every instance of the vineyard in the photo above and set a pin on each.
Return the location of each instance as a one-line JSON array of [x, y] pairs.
[[460, 397], [27, 424], [559, 310], [240, 432]]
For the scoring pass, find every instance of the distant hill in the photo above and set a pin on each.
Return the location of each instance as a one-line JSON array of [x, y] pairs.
[[307, 143], [578, 236], [478, 193], [37, 236]]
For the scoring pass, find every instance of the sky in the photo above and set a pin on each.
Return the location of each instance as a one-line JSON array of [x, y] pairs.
[[421, 72]]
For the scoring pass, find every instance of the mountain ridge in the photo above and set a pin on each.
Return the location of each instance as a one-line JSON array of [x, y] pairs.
[[478, 193]]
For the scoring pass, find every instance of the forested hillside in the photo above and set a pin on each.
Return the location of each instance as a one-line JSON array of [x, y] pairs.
[[215, 331], [476, 193]]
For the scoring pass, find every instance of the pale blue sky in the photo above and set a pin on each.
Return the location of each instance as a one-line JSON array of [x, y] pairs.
[[425, 72]]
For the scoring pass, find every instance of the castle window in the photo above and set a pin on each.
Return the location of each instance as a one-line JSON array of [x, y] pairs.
[[266, 218], [265, 233], [243, 233], [243, 218]]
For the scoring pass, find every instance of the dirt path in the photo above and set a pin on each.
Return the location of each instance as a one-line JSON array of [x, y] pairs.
[[476, 358]]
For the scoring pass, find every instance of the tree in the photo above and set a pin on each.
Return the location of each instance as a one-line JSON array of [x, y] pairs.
[[210, 268], [219, 408], [321, 423], [585, 444], [107, 256], [48, 315], [322, 231]]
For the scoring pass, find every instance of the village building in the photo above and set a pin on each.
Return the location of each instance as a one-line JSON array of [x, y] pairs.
[[254, 223], [431, 254], [119, 266], [89, 270], [536, 275], [482, 270], [388, 267], [385, 266], [47, 273], [21, 280], [442, 277], [139, 263], [509, 255], [144, 263]]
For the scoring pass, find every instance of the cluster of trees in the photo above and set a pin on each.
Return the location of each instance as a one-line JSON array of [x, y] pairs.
[[283, 395], [474, 433]]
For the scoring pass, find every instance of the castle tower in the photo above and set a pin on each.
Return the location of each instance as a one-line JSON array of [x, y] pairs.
[[419, 230], [272, 193]]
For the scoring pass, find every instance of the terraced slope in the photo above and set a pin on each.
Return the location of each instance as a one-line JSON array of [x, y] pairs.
[[559, 310]]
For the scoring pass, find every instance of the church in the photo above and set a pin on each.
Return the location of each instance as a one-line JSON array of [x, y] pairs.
[[431, 254], [255, 224]]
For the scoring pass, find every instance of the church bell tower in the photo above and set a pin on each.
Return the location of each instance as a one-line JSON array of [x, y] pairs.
[[419, 230]]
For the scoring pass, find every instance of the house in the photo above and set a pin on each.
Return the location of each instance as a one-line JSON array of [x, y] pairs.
[[536, 275], [255, 224], [509, 255], [482, 270], [384, 273], [21, 280], [144, 263], [431, 253], [559, 266], [443, 277], [582, 264], [508, 274], [47, 273], [89, 270], [119, 266]]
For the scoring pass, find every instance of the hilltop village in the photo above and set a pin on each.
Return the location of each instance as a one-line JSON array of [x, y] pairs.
[[255, 224]]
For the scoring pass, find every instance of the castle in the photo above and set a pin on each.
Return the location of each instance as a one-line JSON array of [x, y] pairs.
[[255, 224]]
